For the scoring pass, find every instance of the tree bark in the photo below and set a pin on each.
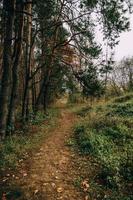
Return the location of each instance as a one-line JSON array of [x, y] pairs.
[[15, 69], [8, 6], [26, 96]]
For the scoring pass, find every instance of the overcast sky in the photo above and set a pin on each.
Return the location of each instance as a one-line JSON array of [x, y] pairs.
[[125, 47]]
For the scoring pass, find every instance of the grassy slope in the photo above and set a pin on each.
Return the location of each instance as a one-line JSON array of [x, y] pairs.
[[105, 132]]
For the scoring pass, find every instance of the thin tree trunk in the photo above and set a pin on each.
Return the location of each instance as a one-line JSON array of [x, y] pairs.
[[25, 106], [42, 90], [33, 94], [45, 98], [17, 56]]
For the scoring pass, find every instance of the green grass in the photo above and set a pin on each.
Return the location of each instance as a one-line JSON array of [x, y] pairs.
[[84, 111], [16, 148], [125, 98], [106, 133]]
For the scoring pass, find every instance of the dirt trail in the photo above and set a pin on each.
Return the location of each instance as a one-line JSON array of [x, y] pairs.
[[52, 171]]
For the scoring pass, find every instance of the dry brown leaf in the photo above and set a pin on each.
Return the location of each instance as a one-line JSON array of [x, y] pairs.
[[85, 185], [86, 198], [36, 191], [59, 190], [53, 185], [8, 175], [25, 174], [5, 179]]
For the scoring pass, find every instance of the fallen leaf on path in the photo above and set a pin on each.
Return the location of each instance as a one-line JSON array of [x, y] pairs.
[[53, 185], [5, 179], [25, 174], [45, 184], [21, 160], [41, 149], [86, 198], [8, 175], [38, 154], [60, 198], [85, 185], [36, 191], [59, 190]]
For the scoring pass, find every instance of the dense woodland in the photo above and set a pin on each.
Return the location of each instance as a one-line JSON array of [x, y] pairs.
[[49, 52]]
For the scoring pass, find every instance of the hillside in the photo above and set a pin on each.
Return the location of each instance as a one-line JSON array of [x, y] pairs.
[[105, 132]]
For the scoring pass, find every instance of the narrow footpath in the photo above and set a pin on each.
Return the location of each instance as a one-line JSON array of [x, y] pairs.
[[55, 171]]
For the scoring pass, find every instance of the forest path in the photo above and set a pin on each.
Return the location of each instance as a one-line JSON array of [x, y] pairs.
[[53, 169]]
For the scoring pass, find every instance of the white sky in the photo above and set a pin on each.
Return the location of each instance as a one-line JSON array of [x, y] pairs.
[[125, 47]]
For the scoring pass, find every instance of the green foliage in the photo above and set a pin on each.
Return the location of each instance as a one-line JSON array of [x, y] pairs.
[[12, 192], [75, 98], [84, 111], [93, 51], [38, 118], [112, 16], [124, 98], [92, 86], [124, 110], [109, 138], [82, 140], [41, 117], [84, 27], [13, 149], [77, 182], [119, 198], [16, 148], [70, 142]]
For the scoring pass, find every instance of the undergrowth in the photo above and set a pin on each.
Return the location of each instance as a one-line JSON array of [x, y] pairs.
[[16, 148], [106, 133]]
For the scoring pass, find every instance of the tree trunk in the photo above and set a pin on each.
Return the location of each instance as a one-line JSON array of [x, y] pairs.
[[42, 90], [15, 69], [25, 106], [8, 6], [33, 94]]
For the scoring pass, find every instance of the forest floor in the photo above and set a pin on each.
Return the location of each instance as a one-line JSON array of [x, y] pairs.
[[75, 152], [54, 171]]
